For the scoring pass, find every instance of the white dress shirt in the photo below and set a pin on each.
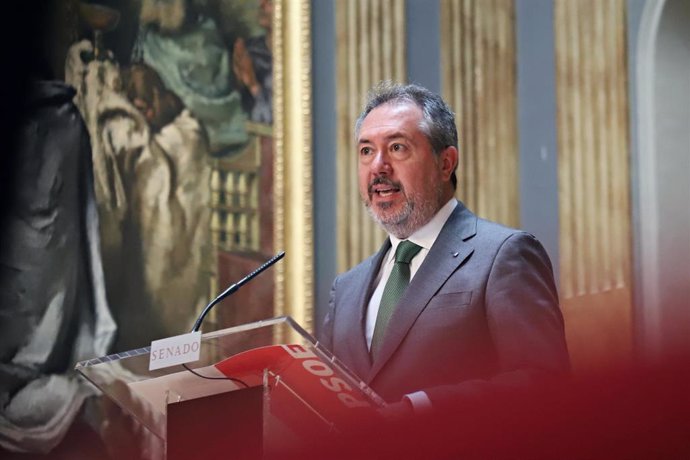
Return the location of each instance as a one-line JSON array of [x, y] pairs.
[[424, 237]]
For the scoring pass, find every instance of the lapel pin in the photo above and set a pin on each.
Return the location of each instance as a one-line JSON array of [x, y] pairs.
[[455, 254]]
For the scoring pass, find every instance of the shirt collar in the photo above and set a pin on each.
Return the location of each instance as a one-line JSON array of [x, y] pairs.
[[426, 235]]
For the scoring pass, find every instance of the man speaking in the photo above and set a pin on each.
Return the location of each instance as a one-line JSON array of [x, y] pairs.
[[451, 304]]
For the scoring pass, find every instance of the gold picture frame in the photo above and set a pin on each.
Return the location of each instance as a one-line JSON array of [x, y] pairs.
[[293, 205]]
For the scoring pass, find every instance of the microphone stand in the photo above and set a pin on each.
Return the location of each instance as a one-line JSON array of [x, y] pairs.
[[233, 288]]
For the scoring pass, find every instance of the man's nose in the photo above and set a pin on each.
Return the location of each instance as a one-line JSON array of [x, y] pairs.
[[380, 164]]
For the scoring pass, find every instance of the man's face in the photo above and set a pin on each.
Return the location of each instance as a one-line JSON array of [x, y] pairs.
[[401, 181]]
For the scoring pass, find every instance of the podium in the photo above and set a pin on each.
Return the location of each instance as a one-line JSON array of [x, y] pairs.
[[258, 391]]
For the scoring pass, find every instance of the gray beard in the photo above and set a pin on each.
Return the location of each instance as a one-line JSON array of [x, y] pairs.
[[414, 214]]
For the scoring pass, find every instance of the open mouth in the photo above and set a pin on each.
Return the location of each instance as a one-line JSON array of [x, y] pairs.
[[383, 188], [384, 191]]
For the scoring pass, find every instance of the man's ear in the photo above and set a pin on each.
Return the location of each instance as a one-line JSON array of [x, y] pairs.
[[448, 161]]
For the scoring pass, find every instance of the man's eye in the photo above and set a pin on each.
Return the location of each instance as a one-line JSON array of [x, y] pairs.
[[365, 151], [397, 147]]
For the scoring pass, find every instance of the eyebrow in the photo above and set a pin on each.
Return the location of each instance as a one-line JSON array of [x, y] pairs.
[[388, 138]]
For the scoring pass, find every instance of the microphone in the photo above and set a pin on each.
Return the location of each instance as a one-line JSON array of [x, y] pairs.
[[235, 287]]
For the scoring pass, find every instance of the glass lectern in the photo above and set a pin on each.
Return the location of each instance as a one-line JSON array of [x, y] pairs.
[[256, 390]]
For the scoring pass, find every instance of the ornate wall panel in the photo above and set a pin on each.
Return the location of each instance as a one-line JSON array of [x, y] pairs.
[[371, 47], [594, 181], [479, 82]]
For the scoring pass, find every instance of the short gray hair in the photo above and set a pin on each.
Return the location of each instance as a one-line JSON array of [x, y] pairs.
[[438, 123]]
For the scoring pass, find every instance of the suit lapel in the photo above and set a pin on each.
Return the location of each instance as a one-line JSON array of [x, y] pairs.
[[448, 252], [356, 316]]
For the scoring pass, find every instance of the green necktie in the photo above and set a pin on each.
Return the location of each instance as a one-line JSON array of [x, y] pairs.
[[395, 287]]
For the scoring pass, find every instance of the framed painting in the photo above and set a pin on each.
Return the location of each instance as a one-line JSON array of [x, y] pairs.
[[199, 114]]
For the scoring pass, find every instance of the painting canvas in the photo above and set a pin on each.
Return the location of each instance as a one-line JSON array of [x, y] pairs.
[[177, 99]]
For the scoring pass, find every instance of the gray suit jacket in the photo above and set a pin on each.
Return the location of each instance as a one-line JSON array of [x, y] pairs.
[[483, 305]]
